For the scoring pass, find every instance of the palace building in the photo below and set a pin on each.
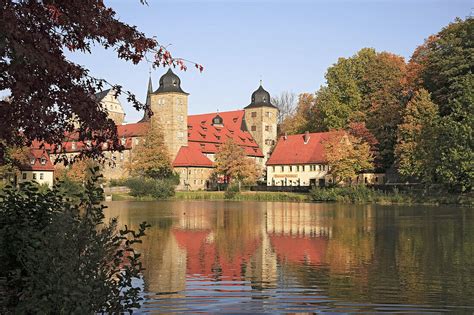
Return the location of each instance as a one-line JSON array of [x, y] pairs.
[[191, 140]]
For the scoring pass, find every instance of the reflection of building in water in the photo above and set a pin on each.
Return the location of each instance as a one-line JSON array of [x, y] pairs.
[[296, 219]]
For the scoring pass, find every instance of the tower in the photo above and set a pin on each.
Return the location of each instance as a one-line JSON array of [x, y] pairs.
[[112, 105], [261, 117], [169, 104], [146, 115]]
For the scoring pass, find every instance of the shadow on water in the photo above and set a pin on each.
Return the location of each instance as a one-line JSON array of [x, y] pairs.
[[296, 257]]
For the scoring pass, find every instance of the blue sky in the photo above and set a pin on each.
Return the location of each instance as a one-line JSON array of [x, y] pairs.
[[288, 44]]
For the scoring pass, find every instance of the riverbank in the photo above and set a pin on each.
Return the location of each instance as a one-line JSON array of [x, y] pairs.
[[341, 195]]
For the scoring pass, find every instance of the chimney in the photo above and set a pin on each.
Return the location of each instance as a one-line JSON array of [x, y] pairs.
[[306, 137], [285, 136]]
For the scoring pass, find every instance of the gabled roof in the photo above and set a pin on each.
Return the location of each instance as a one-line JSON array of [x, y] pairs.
[[208, 137], [188, 156], [37, 156], [294, 150]]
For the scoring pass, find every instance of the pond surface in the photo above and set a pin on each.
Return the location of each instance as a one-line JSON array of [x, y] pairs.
[[248, 257]]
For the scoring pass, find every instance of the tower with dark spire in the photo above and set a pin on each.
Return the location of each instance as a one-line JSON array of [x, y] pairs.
[[261, 118], [146, 115], [169, 104]]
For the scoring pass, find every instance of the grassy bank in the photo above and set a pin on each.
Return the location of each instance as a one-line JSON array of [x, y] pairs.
[[219, 195], [362, 194], [344, 195]]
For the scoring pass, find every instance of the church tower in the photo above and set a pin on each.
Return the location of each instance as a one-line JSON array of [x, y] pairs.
[[261, 118], [169, 104]]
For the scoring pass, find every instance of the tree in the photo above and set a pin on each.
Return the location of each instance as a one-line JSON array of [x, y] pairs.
[[150, 157], [14, 158], [304, 118], [416, 138], [347, 156], [445, 68], [231, 162], [365, 88], [48, 92], [58, 256], [286, 104]]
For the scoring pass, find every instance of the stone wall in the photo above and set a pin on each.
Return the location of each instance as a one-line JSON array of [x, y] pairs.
[[262, 124], [193, 178], [171, 111]]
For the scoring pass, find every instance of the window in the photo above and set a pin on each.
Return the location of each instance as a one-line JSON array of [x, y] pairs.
[[41, 176], [32, 161], [123, 140], [254, 114], [180, 118], [297, 168], [273, 168], [121, 156], [180, 134], [137, 141], [253, 128], [291, 168], [268, 128], [73, 145], [34, 176], [24, 175], [43, 161]]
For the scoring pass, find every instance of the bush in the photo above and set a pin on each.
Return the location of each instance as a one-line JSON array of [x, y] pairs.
[[59, 257], [117, 182], [156, 188], [231, 192]]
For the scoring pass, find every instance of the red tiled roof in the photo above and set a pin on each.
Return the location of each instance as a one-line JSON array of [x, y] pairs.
[[188, 156], [36, 155], [203, 135], [293, 149], [132, 130]]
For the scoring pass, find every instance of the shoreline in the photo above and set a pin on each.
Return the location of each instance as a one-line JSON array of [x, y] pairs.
[[377, 198]]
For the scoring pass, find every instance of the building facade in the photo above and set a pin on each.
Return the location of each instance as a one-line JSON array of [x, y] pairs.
[[191, 140]]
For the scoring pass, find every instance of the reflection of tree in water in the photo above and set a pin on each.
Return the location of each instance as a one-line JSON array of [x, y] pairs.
[[363, 254]]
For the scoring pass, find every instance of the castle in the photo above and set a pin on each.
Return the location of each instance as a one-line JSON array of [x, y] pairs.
[[192, 140]]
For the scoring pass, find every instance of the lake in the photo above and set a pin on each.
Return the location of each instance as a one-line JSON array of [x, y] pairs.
[[273, 257]]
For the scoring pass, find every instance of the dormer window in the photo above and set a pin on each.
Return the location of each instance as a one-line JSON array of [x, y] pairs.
[[175, 83], [32, 161], [217, 121], [43, 161], [73, 145]]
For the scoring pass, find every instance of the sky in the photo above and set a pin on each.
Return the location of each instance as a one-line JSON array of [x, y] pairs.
[[288, 44]]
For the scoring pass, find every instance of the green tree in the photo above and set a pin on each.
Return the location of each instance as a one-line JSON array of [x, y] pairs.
[[347, 156], [231, 161], [417, 137], [366, 88], [445, 69], [150, 157]]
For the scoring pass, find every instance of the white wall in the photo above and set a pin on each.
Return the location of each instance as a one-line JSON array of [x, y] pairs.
[[48, 177], [296, 175]]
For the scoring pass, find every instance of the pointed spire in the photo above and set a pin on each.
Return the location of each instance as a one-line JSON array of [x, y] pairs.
[[146, 116], [149, 92]]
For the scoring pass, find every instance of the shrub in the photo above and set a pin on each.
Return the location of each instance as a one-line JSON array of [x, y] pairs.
[[231, 192], [59, 257], [117, 182], [156, 188]]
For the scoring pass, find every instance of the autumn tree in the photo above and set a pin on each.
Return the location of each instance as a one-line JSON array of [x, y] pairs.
[[46, 92], [365, 88], [417, 138], [14, 158], [150, 158], [304, 118], [347, 156], [231, 162]]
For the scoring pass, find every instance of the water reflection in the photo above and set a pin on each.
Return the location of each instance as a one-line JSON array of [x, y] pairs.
[[250, 256]]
